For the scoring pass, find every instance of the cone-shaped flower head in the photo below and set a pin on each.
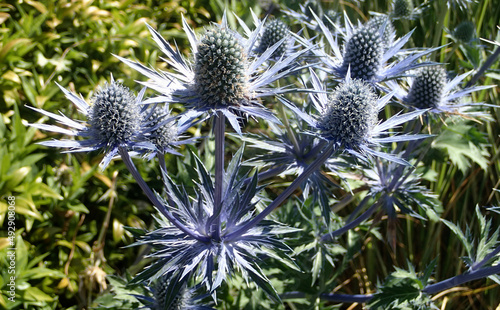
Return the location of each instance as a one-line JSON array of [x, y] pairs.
[[402, 8], [113, 121], [363, 53], [220, 66], [465, 31], [427, 89], [275, 31], [114, 116], [351, 114], [388, 35], [164, 133]]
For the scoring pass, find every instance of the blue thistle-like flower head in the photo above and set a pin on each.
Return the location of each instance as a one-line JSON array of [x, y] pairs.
[[465, 31], [226, 75], [427, 89], [379, 22], [402, 8], [164, 133], [113, 121], [275, 31], [430, 88], [350, 114], [114, 115], [220, 67], [363, 53]]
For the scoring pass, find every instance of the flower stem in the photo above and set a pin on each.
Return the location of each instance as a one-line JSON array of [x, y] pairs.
[[347, 298], [330, 150], [488, 63], [152, 197], [330, 236], [460, 279], [220, 128]]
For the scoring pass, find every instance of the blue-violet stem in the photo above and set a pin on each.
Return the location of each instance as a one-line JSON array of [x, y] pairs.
[[480, 264], [330, 236], [219, 131], [460, 279], [488, 63], [152, 197], [347, 298], [329, 151]]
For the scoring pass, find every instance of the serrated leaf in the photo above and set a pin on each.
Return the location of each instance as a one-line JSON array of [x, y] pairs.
[[388, 297]]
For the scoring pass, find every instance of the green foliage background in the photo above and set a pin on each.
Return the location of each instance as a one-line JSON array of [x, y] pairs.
[[71, 216]]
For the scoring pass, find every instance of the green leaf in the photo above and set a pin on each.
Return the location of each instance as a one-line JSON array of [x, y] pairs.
[[36, 294], [463, 144], [461, 236]]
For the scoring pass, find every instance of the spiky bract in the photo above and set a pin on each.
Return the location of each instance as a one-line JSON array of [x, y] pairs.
[[351, 113], [220, 66], [427, 88], [179, 255], [275, 31], [363, 53], [330, 18], [313, 6]]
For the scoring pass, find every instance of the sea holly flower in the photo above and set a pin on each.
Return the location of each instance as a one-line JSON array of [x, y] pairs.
[[367, 51], [212, 260], [113, 122], [402, 9], [226, 76], [163, 130], [389, 35], [348, 117], [464, 32], [275, 31], [429, 88]]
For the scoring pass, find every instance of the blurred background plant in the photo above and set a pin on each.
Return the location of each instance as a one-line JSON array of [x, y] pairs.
[[71, 217]]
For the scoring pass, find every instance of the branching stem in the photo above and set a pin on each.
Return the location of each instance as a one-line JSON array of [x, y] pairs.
[[327, 153]]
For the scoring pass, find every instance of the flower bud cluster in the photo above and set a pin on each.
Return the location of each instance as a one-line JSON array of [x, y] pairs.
[[427, 88], [114, 116], [351, 114], [220, 69]]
